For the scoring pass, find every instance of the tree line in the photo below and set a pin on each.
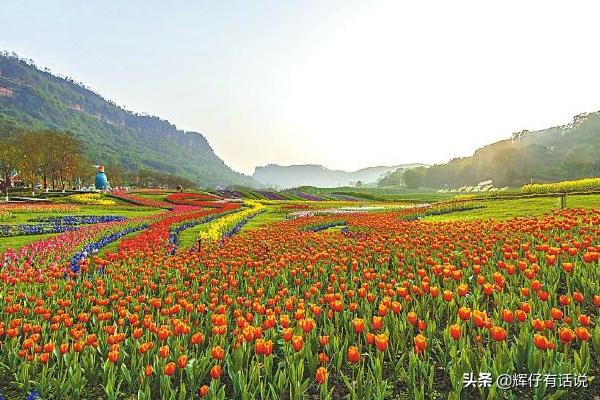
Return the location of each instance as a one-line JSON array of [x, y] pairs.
[[55, 160], [50, 158]]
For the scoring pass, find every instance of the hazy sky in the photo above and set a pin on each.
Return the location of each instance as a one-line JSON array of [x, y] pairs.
[[347, 84]]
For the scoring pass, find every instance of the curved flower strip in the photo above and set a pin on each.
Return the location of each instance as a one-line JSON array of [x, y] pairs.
[[175, 232], [80, 219], [55, 225], [219, 229], [33, 229], [238, 227], [40, 207], [324, 225], [93, 248]]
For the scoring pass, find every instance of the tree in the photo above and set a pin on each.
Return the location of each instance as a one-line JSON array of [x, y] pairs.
[[414, 177], [30, 163], [9, 158]]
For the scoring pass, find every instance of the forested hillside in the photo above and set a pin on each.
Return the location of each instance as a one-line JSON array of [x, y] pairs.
[[559, 153], [32, 99]]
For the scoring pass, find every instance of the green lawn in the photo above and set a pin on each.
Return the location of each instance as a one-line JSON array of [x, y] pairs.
[[507, 208], [417, 197], [153, 196], [272, 214], [189, 237]]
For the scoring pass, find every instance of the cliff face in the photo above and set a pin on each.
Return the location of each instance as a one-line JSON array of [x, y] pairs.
[[34, 99]]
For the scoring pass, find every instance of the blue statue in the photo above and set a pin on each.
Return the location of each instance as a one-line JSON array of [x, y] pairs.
[[101, 179]]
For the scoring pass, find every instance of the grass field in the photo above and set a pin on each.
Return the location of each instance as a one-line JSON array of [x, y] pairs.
[[273, 214], [508, 208], [153, 196]]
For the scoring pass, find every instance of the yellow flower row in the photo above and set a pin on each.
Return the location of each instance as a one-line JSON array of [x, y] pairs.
[[580, 185], [94, 199], [215, 230]]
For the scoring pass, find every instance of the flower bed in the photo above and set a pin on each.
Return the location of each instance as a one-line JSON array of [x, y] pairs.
[[229, 194], [94, 247], [41, 208], [33, 229], [230, 224], [91, 199], [80, 219]]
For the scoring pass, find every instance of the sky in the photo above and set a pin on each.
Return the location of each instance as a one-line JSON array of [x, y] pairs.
[[343, 83]]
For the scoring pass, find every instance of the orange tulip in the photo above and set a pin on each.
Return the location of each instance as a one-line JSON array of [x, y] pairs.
[[464, 313], [541, 342], [170, 369], [197, 338], [498, 333], [203, 390], [297, 343], [113, 356], [321, 375], [538, 324], [323, 358], [412, 318], [507, 316], [556, 314], [287, 334], [584, 320], [420, 343], [215, 372], [353, 355], [358, 324], [566, 335], [182, 361], [163, 351], [44, 357], [381, 341], [582, 333], [455, 331], [217, 353], [377, 322]]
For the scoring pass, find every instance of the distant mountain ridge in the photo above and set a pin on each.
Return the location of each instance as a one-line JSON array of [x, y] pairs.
[[317, 175], [34, 99]]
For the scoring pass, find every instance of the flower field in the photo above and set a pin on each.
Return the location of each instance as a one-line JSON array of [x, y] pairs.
[[386, 305]]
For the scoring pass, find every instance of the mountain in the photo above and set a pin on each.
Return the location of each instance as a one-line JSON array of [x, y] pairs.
[[34, 99], [317, 175], [569, 151]]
